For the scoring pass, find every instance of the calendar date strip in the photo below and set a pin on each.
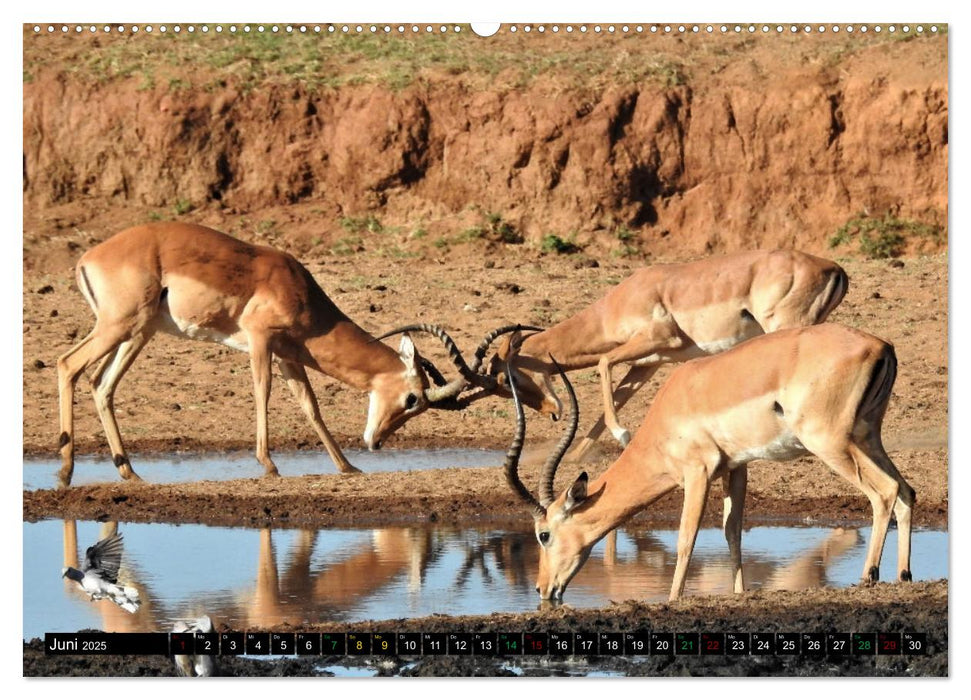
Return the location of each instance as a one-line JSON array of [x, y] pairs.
[[491, 644]]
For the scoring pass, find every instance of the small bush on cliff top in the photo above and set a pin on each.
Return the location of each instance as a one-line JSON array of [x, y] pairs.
[[323, 60], [883, 237]]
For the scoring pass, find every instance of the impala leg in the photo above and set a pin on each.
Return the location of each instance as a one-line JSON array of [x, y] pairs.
[[260, 359], [296, 378], [853, 465], [104, 383], [101, 341], [902, 505], [657, 338], [695, 494], [632, 382], [883, 494], [735, 483], [622, 435]]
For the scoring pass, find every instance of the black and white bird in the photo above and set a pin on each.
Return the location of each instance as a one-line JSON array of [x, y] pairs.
[[194, 664], [98, 576]]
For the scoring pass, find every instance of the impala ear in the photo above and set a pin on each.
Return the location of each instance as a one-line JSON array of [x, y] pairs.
[[515, 340], [508, 345], [577, 493], [407, 353]]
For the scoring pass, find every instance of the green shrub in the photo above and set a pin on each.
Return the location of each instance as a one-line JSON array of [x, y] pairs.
[[552, 243], [883, 237], [182, 206], [359, 224]]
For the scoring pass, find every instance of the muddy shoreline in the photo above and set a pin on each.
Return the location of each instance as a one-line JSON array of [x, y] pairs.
[[918, 607], [444, 496]]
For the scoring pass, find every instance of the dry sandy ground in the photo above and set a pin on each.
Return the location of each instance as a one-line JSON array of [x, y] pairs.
[[197, 397]]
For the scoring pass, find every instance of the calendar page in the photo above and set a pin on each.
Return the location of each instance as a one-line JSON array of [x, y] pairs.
[[529, 349]]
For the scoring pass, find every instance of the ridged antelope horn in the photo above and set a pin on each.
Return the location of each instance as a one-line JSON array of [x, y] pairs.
[[480, 352], [511, 465], [432, 371], [455, 387], [546, 495]]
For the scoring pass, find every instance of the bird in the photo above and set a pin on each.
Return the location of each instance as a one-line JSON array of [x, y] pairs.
[[194, 664], [98, 576]]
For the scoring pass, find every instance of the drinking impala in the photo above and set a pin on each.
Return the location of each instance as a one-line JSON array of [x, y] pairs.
[[819, 390]]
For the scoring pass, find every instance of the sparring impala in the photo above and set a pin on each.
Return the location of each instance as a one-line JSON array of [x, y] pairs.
[[819, 390], [194, 282], [671, 313]]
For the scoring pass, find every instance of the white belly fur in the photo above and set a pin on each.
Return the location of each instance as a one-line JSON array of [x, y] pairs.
[[746, 328], [783, 448], [184, 329], [716, 346]]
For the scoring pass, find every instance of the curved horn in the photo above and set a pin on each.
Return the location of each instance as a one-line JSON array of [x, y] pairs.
[[480, 352], [455, 387], [511, 465], [469, 375], [432, 371], [549, 469]]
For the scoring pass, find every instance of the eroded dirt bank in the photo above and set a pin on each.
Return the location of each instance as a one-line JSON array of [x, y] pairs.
[[692, 144], [919, 607]]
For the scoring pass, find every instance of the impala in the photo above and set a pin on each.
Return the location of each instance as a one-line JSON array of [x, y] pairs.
[[819, 390], [194, 282], [671, 313]]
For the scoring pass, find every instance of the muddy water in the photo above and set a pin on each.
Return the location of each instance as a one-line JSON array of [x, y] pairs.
[[42, 473], [250, 578]]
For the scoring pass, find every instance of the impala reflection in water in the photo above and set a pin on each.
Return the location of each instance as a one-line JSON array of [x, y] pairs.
[[249, 579]]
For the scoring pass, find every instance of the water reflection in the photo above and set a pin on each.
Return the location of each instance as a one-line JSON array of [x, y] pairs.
[[40, 473], [248, 579]]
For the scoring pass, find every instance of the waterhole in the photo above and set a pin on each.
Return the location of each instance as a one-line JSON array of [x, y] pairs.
[[249, 578], [42, 473]]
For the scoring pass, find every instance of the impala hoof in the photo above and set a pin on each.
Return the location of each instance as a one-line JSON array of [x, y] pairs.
[[272, 475], [872, 576], [905, 575], [125, 470], [622, 436], [350, 470]]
